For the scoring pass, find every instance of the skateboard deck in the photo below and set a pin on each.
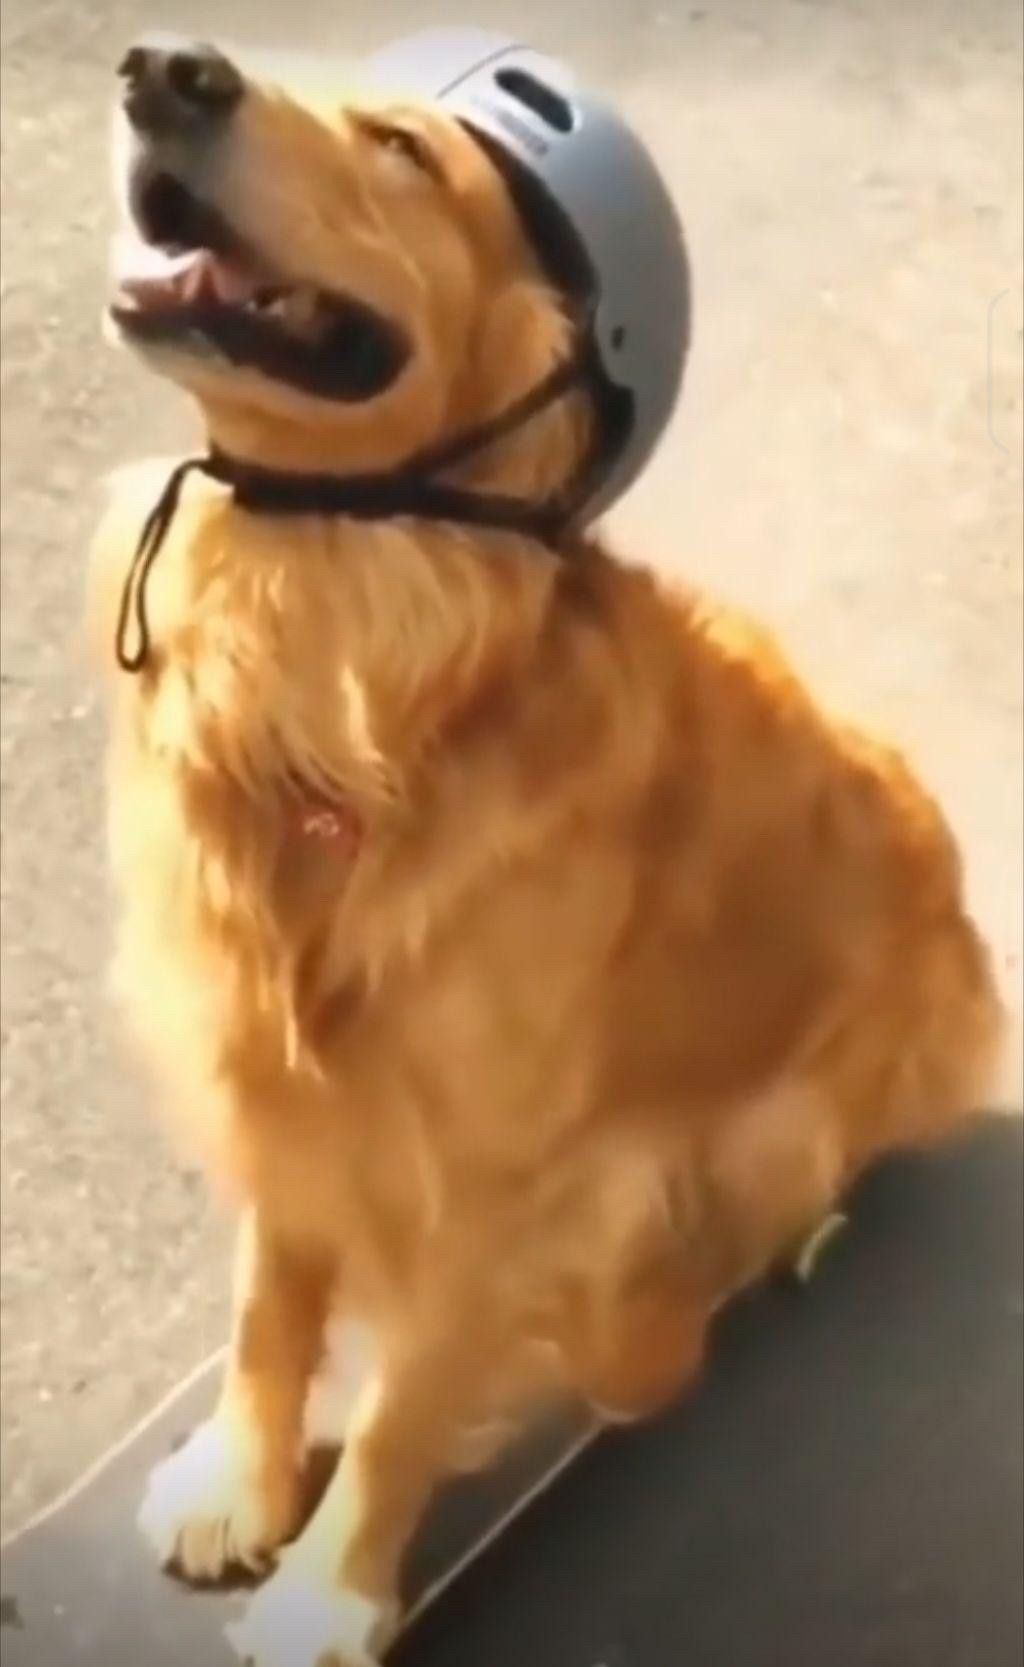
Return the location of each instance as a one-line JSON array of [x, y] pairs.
[[80, 1588], [844, 1487]]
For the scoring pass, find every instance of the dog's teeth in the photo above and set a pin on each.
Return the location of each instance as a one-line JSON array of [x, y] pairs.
[[196, 278], [297, 308], [270, 299], [191, 284], [269, 303]]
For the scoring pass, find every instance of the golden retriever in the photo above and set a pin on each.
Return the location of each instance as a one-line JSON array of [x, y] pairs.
[[518, 940]]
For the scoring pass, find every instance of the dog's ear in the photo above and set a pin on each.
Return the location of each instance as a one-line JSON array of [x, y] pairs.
[[524, 333]]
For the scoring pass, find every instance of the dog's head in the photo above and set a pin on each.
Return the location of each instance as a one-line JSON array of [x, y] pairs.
[[338, 280]]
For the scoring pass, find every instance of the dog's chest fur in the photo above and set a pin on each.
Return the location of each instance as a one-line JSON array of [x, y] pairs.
[[327, 1027]]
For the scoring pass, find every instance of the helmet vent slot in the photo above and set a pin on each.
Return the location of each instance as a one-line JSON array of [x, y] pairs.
[[554, 110]]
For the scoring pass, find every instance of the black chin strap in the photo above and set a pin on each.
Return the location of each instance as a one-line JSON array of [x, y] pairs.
[[133, 596], [411, 490]]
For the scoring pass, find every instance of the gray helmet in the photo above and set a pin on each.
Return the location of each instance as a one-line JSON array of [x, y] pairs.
[[596, 209]]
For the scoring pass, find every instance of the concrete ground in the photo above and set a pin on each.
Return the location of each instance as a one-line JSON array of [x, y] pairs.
[[847, 462]]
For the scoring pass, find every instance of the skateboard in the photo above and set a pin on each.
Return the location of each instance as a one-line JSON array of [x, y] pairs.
[[80, 1588], [844, 1486]]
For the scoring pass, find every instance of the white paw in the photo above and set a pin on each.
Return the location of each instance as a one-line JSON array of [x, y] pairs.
[[202, 1513], [296, 1621]]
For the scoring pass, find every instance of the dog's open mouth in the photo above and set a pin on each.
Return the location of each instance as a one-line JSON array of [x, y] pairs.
[[184, 278]]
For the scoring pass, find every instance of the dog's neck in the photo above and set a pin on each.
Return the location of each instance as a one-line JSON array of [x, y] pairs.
[[532, 462], [333, 648]]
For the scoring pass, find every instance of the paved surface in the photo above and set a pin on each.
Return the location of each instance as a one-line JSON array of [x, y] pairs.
[[848, 462]]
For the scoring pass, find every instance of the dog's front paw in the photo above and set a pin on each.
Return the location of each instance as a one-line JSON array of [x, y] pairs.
[[206, 1513], [297, 1621]]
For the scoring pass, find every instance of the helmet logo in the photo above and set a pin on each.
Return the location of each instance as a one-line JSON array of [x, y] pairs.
[[527, 136]]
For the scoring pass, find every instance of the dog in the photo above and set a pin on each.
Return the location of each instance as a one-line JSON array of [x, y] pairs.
[[525, 952]]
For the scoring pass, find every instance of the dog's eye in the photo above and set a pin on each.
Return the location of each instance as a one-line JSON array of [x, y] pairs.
[[401, 142]]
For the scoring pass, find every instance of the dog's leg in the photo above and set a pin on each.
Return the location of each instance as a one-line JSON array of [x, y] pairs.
[[334, 1598], [232, 1494]]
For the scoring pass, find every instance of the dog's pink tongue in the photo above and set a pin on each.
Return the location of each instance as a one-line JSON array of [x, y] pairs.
[[208, 277], [229, 283], [153, 278]]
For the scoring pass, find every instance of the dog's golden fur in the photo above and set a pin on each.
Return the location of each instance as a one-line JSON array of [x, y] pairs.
[[637, 958]]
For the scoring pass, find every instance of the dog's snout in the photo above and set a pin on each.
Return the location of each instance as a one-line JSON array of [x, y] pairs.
[[177, 86]]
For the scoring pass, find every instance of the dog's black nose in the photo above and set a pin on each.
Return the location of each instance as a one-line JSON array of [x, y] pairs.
[[178, 87]]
